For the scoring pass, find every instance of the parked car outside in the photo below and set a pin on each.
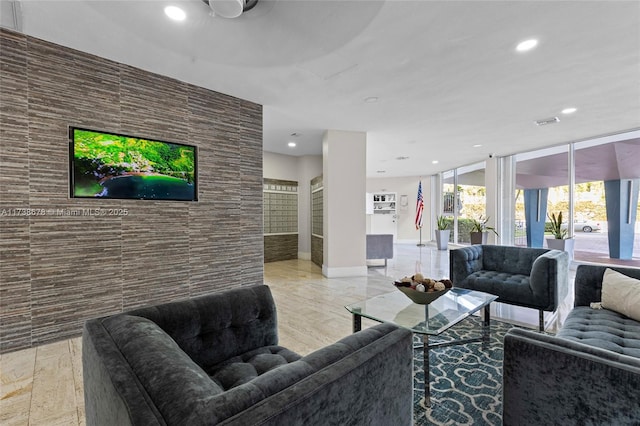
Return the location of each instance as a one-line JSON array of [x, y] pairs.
[[584, 226], [578, 225]]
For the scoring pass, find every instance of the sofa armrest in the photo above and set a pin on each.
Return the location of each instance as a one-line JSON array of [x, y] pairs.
[[113, 395], [372, 385], [463, 262], [550, 380], [550, 277]]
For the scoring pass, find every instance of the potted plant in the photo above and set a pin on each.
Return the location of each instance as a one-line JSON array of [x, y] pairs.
[[442, 233], [559, 232], [480, 230]]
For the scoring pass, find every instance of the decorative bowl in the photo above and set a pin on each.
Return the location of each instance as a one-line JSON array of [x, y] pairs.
[[421, 297]]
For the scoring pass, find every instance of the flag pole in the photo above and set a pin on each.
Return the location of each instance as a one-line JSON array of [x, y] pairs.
[[419, 211]]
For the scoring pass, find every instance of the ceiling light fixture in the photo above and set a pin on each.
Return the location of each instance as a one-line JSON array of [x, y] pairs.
[[230, 8], [478, 145], [175, 13], [527, 45], [435, 162], [569, 110], [291, 144]]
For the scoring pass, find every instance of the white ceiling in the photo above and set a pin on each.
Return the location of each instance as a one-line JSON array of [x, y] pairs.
[[446, 73]]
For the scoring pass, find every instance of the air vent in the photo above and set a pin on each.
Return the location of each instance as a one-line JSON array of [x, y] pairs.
[[547, 121]]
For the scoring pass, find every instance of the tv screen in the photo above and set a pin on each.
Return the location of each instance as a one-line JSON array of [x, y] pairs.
[[108, 165]]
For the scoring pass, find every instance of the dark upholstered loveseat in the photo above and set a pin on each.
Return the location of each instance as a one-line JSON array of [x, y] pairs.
[[588, 374], [216, 360], [529, 277]]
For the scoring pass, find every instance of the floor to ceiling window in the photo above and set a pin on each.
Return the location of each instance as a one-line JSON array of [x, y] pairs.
[[464, 199], [594, 185], [605, 221], [542, 179]]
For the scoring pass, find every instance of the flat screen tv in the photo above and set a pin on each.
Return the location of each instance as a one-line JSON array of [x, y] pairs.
[[109, 165]]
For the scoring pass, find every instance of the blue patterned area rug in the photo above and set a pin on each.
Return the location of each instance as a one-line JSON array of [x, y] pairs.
[[466, 380]]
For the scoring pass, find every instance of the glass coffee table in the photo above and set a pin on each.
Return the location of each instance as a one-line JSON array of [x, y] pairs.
[[427, 320]]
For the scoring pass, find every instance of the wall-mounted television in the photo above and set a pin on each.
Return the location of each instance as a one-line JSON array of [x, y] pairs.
[[109, 165]]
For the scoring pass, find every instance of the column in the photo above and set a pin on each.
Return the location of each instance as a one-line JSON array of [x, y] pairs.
[[622, 204], [535, 213], [344, 175], [492, 197]]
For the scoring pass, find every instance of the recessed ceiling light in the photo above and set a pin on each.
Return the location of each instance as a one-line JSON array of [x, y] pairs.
[[569, 110], [527, 45], [291, 144], [478, 145], [371, 99], [435, 162], [175, 13]]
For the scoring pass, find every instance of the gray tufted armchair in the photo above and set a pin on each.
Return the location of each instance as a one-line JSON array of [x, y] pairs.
[[529, 277]]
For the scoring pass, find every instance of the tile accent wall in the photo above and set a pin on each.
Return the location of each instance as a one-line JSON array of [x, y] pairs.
[[317, 220], [280, 207], [59, 267], [280, 247]]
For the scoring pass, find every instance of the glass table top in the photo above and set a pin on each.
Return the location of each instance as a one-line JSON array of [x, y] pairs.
[[432, 319]]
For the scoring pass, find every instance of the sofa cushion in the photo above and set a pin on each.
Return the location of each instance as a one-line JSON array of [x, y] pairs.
[[604, 329], [621, 293], [246, 367], [512, 288]]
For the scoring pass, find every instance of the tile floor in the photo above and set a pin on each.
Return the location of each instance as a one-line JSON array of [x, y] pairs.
[[43, 385]]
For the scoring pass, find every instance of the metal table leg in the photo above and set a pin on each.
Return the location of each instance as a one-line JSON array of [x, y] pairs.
[[357, 323], [427, 370], [486, 326]]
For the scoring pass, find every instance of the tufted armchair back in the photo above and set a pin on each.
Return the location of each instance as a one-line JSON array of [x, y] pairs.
[[214, 328], [588, 282]]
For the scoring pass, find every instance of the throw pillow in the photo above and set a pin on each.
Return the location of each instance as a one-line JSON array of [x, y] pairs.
[[621, 293]]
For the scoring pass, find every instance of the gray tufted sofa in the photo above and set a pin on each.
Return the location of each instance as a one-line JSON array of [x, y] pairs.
[[588, 374], [530, 277], [215, 360]]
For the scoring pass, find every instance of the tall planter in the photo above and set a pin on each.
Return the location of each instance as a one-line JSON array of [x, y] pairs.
[[442, 238], [562, 244], [479, 237]]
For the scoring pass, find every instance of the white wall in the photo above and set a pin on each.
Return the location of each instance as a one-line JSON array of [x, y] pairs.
[[344, 169], [407, 232], [300, 169], [278, 166], [309, 166]]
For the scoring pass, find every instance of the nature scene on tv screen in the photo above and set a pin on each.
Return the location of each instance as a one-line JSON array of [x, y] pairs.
[[114, 166]]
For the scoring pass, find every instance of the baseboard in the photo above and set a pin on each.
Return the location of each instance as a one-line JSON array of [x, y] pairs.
[[304, 255], [350, 271]]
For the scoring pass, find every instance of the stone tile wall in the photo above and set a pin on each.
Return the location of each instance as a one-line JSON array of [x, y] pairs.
[[280, 247], [59, 267]]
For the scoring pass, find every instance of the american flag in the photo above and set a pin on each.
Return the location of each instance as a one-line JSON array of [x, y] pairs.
[[419, 207]]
